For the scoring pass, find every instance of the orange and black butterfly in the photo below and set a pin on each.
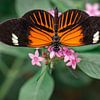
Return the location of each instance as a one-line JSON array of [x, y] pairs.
[[38, 28]]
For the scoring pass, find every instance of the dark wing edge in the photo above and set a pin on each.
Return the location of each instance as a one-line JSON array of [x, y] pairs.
[[14, 32], [91, 30]]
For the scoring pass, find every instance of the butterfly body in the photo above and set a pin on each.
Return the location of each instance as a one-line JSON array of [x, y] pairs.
[[38, 28], [56, 38]]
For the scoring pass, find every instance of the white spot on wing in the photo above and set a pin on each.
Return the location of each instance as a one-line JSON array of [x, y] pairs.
[[14, 36], [96, 37], [14, 39]]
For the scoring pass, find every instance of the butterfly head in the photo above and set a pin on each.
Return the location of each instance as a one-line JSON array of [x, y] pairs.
[[55, 38]]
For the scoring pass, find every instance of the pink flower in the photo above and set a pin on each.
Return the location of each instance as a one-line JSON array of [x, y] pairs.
[[70, 57], [35, 58], [73, 61], [53, 53], [67, 53], [93, 9], [52, 12]]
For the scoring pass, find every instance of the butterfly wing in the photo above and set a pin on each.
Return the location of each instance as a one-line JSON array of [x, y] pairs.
[[14, 32], [40, 28], [91, 31], [77, 28], [34, 29]]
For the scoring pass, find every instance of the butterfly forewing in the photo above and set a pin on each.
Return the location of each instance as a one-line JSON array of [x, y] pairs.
[[40, 28], [70, 27], [34, 29]]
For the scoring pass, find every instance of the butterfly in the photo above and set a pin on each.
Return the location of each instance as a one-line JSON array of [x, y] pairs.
[[38, 28]]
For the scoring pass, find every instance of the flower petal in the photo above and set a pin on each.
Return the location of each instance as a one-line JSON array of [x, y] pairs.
[[93, 9], [52, 54], [95, 6], [40, 58], [59, 54], [38, 64], [74, 66], [78, 59], [88, 6], [66, 58], [31, 55], [37, 53], [69, 63], [33, 63]]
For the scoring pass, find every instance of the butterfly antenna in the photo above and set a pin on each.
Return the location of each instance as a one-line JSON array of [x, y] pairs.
[[56, 12]]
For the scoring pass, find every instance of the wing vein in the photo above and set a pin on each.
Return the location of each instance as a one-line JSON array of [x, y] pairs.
[[39, 38], [70, 31], [40, 33], [72, 37]]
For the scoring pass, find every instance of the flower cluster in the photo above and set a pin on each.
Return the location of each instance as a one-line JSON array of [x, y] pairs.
[[93, 9], [69, 56]]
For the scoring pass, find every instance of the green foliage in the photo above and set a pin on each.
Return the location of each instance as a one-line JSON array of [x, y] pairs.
[[7, 9], [86, 48], [39, 87], [63, 5], [90, 64], [67, 76], [14, 51], [30, 5]]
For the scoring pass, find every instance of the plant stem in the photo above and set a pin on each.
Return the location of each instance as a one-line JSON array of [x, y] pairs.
[[51, 66]]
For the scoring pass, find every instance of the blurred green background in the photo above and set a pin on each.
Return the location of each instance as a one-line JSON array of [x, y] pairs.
[[15, 65]]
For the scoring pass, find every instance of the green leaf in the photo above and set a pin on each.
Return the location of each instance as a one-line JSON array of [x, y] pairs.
[[69, 77], [63, 4], [39, 87], [19, 52], [24, 6], [86, 48], [90, 64]]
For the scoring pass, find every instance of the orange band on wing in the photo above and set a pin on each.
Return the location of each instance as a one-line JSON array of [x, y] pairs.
[[38, 38], [73, 38]]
